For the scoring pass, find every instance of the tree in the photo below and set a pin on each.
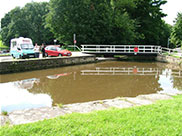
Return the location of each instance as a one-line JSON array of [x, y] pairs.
[[164, 34], [148, 16], [124, 28], [28, 21], [35, 14], [9, 27], [68, 17], [94, 22], [176, 35]]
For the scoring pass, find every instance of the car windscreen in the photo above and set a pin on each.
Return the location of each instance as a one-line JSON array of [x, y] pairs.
[[59, 49], [27, 46]]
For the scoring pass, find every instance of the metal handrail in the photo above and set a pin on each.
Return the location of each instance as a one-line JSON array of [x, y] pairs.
[[120, 49], [167, 50]]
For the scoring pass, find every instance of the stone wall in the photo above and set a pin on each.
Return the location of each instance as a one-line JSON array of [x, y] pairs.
[[169, 59], [44, 63]]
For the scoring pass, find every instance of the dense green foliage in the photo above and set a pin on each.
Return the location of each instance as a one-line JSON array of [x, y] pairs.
[[149, 17], [2, 46], [161, 119], [27, 22], [93, 22], [165, 34], [176, 35], [108, 21]]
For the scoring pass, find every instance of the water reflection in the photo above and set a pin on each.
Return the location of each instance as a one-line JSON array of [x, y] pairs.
[[27, 83], [122, 71], [132, 71], [58, 75], [167, 79], [84, 83], [15, 96]]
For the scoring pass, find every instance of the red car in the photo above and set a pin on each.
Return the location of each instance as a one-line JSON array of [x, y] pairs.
[[56, 51]]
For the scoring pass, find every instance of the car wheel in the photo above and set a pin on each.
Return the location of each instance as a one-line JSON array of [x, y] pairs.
[[13, 56], [46, 54], [60, 55]]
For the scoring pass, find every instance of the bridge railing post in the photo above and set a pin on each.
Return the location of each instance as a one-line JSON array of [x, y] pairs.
[[144, 49], [97, 48], [83, 48], [159, 50]]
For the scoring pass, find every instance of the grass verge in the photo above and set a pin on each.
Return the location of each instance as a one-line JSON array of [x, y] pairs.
[[175, 55], [161, 119], [8, 54]]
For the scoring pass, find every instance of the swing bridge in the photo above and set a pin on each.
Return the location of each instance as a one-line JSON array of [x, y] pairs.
[[146, 50]]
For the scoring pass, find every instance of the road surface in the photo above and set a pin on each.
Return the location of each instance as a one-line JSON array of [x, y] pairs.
[[9, 58]]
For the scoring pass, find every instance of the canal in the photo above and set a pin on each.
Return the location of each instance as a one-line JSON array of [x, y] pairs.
[[83, 83]]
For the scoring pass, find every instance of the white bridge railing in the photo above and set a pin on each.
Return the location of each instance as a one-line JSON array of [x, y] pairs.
[[167, 50], [121, 49], [129, 71]]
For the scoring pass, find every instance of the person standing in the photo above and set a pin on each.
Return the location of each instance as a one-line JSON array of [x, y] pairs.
[[36, 50], [43, 50]]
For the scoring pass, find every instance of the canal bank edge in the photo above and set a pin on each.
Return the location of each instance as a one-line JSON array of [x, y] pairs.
[[53, 62], [43, 63], [38, 114], [169, 59]]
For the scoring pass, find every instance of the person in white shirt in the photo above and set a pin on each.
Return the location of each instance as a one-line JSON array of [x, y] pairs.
[[36, 50]]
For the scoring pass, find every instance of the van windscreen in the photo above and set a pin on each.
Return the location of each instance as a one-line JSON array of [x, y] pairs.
[[27, 46]]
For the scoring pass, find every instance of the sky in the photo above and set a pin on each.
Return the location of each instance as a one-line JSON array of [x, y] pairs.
[[171, 8], [8, 5]]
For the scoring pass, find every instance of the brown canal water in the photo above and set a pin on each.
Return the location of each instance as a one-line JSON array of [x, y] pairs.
[[83, 83]]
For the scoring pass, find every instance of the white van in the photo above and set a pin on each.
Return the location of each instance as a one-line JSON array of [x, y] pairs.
[[22, 48]]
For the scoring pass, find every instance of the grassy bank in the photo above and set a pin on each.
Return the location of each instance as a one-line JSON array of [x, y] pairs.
[[8, 54], [161, 119]]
